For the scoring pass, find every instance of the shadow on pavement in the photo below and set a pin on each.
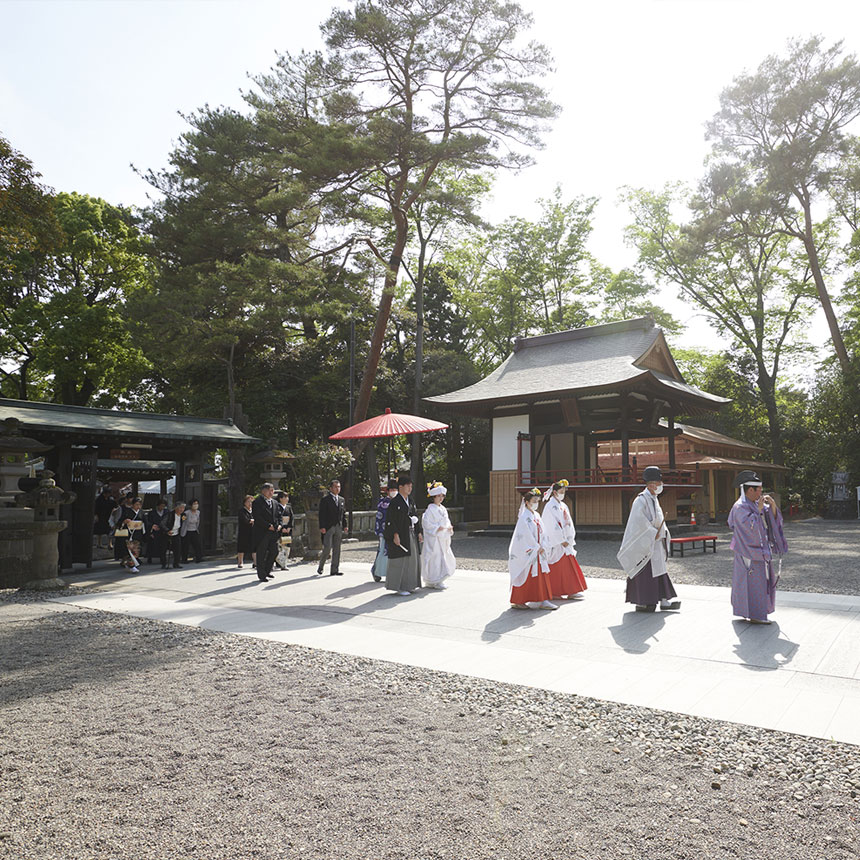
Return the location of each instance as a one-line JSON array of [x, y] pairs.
[[636, 628], [761, 644]]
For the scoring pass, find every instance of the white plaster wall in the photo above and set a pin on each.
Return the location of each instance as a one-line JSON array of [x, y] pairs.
[[505, 432]]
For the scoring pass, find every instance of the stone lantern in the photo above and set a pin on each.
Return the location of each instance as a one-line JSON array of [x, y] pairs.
[[45, 500], [16, 524], [14, 450]]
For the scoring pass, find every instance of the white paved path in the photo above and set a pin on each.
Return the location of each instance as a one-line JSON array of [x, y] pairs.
[[800, 674]]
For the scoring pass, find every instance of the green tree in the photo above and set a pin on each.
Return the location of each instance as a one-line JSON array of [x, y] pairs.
[[29, 234], [734, 263], [255, 313], [787, 123], [626, 294], [70, 323], [407, 88]]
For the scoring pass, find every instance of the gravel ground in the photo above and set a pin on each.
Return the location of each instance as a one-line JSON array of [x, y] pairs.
[[823, 557], [127, 738]]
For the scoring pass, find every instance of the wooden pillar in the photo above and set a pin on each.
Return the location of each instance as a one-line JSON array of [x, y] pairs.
[[672, 440], [549, 456], [625, 452], [713, 487]]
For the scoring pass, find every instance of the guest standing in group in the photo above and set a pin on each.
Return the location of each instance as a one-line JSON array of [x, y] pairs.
[[173, 527], [285, 528], [386, 493], [332, 515], [191, 542], [645, 549], [156, 535], [437, 559], [265, 533], [245, 539], [105, 505], [135, 527], [756, 524], [527, 558], [402, 541], [565, 574]]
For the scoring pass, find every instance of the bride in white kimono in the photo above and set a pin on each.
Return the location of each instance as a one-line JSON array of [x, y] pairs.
[[437, 559]]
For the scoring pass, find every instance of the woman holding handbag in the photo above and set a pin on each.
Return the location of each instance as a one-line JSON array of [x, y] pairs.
[[131, 527]]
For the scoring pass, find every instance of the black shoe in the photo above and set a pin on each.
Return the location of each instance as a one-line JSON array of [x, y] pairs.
[[263, 578], [646, 607], [377, 579], [335, 573], [319, 573], [270, 576], [164, 567], [177, 567]]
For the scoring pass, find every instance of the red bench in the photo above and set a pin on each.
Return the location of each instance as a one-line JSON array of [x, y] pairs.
[[685, 540]]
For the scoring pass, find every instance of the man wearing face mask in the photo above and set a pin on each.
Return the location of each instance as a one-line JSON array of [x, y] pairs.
[[645, 549], [757, 536], [565, 574]]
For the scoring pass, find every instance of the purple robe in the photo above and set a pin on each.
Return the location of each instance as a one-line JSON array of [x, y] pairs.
[[756, 538]]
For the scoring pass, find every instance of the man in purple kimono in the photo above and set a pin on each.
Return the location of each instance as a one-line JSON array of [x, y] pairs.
[[756, 524]]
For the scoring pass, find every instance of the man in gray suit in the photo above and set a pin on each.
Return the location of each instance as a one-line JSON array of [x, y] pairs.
[[332, 527]]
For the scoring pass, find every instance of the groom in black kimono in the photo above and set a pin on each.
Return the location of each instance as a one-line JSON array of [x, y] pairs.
[[402, 527]]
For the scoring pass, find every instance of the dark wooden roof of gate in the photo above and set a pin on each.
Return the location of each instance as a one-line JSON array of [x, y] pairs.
[[100, 425]]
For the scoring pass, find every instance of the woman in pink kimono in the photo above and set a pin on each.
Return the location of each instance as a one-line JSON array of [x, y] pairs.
[[756, 524]]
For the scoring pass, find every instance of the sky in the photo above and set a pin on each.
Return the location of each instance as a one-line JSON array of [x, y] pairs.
[[89, 88]]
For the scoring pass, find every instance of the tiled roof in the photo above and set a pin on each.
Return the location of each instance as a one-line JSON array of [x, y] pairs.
[[712, 436], [139, 426], [598, 357]]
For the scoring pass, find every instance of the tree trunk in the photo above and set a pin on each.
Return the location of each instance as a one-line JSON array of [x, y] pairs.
[[767, 392], [823, 295], [372, 469], [382, 316]]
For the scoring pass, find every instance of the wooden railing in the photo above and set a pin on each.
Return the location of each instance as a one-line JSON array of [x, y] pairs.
[[601, 477]]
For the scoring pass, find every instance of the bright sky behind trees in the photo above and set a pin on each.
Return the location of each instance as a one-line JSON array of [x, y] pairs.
[[86, 88]]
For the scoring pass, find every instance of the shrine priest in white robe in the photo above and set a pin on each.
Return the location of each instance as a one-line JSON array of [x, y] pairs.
[[437, 559], [645, 549]]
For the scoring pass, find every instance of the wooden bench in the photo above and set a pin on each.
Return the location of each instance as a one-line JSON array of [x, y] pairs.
[[685, 540]]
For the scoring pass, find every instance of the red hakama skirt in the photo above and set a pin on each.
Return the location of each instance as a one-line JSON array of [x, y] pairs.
[[535, 589], [566, 577]]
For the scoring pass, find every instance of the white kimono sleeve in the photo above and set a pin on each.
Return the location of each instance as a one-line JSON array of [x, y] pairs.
[[558, 524], [524, 555], [639, 539]]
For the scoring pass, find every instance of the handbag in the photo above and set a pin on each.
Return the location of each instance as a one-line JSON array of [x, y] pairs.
[[120, 533]]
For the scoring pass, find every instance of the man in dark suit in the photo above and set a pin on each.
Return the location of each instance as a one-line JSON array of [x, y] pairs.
[[172, 525], [265, 534], [156, 541], [332, 527]]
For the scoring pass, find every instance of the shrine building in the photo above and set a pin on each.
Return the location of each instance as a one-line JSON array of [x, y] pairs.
[[557, 397]]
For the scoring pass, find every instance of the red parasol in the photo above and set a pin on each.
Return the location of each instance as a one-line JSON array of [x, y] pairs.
[[389, 424]]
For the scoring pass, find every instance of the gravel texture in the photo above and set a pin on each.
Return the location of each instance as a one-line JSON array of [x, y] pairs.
[[127, 738], [823, 557]]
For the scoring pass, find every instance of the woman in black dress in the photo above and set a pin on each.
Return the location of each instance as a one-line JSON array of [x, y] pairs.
[[245, 541]]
